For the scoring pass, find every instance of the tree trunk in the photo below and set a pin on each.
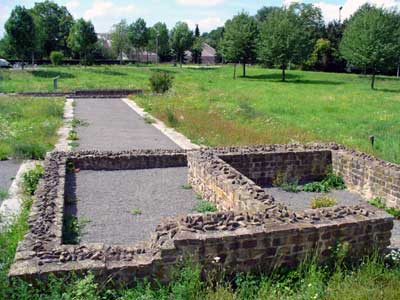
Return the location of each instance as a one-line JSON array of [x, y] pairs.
[[283, 73], [120, 58], [180, 60], [373, 80], [398, 70], [22, 64], [244, 69], [234, 71]]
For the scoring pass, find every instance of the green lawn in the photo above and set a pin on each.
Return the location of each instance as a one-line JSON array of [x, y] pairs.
[[28, 126], [211, 108]]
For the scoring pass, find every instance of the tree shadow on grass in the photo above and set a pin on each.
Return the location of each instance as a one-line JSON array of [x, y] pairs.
[[291, 79], [51, 74], [163, 70], [397, 91], [106, 72]]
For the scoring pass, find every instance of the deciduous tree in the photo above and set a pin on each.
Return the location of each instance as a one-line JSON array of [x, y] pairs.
[[54, 22], [181, 40], [159, 41], [82, 39], [280, 39], [139, 35], [120, 39], [20, 28], [371, 40], [239, 44]]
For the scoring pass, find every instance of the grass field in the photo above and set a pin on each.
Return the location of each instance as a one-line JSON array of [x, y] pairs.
[[212, 109], [28, 126]]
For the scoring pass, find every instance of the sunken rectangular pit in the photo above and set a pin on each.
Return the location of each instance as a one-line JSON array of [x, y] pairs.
[[251, 230], [125, 206]]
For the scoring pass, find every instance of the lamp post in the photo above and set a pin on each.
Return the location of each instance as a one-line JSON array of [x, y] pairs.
[[340, 14]]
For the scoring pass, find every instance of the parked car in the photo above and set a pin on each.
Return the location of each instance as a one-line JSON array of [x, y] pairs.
[[4, 63]]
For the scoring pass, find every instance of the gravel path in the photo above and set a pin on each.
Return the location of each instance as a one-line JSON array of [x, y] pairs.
[[112, 125], [302, 200], [8, 169], [107, 198]]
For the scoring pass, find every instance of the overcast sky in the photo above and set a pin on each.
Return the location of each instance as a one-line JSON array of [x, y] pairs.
[[208, 14]]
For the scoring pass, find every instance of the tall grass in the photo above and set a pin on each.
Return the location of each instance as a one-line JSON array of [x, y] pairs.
[[28, 126]]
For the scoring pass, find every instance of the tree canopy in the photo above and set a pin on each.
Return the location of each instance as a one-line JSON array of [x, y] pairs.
[[82, 39], [181, 40], [120, 38], [20, 28], [239, 44], [139, 35], [280, 39], [159, 40], [54, 24], [371, 40]]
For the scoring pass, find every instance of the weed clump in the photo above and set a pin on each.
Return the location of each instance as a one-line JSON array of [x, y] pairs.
[[161, 82], [30, 179], [325, 201], [204, 206], [379, 203], [331, 181]]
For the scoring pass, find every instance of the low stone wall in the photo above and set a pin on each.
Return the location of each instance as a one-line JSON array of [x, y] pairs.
[[128, 160], [255, 234], [369, 176], [83, 94], [264, 168]]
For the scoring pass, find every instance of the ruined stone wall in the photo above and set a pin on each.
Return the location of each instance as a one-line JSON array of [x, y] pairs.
[[128, 160], [273, 244], [263, 168], [369, 176], [215, 180], [253, 233]]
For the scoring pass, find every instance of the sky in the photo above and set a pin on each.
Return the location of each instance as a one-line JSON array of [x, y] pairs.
[[209, 14]]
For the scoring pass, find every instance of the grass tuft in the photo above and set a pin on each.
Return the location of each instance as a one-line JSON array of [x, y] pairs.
[[325, 201]]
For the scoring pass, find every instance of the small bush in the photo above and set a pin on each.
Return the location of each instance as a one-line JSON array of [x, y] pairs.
[[72, 229], [56, 58], [331, 181], [379, 203], [171, 119], [204, 206], [160, 82], [30, 179], [3, 194], [73, 135], [285, 184], [319, 202]]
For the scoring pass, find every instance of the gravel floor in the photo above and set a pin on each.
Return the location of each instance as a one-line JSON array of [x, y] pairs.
[[108, 197], [302, 200], [112, 125], [8, 169]]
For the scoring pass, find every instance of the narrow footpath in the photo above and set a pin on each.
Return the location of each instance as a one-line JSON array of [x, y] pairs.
[[123, 207], [113, 125]]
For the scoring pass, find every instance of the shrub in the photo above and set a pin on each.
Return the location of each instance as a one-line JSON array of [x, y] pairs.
[[331, 181], [31, 179], [56, 58], [318, 202], [379, 203], [285, 184], [160, 82], [204, 206], [171, 119]]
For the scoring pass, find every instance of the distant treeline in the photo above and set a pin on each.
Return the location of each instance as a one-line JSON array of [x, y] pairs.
[[294, 36]]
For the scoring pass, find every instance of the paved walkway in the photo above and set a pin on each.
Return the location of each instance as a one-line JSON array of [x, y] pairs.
[[8, 170], [123, 206], [112, 125]]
